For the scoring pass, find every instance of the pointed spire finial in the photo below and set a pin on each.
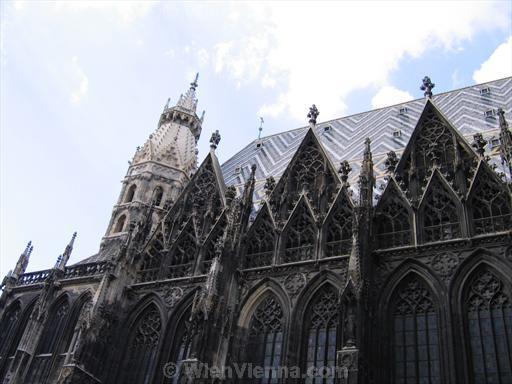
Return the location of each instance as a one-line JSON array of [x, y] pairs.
[[64, 258], [391, 162], [23, 260], [166, 107], [194, 85], [270, 184], [260, 128], [427, 86], [313, 114], [215, 139]]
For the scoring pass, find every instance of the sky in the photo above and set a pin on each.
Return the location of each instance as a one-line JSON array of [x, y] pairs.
[[82, 84]]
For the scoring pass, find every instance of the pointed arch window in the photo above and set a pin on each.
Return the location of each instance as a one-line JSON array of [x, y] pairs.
[[263, 345], [11, 337], [488, 315], [143, 347], [260, 244], [321, 333], [490, 205], [8, 328], [181, 348], [300, 237], [130, 194], [183, 254], [158, 194], [393, 225], [415, 334], [440, 215], [50, 339], [152, 260], [339, 231], [120, 224]]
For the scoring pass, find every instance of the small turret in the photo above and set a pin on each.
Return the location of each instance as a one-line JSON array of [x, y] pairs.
[[21, 265], [64, 258]]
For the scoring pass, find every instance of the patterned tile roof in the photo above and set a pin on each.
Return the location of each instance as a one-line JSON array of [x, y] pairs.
[[389, 129]]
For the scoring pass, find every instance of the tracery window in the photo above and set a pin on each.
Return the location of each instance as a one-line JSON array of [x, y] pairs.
[[143, 348], [488, 312], [264, 346], [393, 226], [260, 244], [440, 216], [183, 254], [50, 339], [181, 348], [490, 205], [321, 333], [339, 231], [415, 332], [209, 250], [300, 237], [9, 346], [152, 261]]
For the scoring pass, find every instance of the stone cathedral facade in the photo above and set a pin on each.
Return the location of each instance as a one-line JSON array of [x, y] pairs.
[[374, 248]]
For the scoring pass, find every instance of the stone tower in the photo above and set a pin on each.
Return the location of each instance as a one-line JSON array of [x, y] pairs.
[[159, 169]]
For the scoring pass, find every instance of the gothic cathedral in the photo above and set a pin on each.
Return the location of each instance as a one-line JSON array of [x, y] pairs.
[[374, 248]]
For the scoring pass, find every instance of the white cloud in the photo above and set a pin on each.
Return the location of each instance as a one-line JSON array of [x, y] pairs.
[[389, 95], [83, 82], [321, 52], [498, 65]]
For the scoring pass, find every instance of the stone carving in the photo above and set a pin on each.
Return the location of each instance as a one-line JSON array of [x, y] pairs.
[[172, 295], [444, 264], [294, 283]]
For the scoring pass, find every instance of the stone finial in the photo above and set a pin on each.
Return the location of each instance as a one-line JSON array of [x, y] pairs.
[[23, 260], [427, 86], [344, 170], [215, 139], [313, 114], [367, 149], [269, 186], [391, 162], [479, 144], [260, 128], [166, 107], [64, 258], [505, 141]]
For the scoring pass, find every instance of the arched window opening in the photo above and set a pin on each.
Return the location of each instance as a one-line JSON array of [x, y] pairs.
[[120, 224], [260, 244], [71, 344], [50, 340], [182, 255], [339, 231], [490, 206], [263, 343], [300, 237], [488, 313], [130, 194], [321, 333], [440, 215], [393, 226], [143, 348], [415, 334], [158, 194]]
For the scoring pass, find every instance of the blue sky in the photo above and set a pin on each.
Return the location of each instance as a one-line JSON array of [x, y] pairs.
[[82, 84]]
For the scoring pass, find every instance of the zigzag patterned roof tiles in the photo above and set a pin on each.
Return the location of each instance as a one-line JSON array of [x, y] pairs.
[[389, 129]]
